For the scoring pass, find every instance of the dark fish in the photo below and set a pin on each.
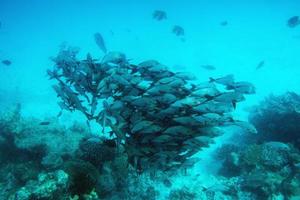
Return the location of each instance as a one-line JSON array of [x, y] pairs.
[[260, 64], [167, 182], [159, 15], [6, 62], [44, 123], [53, 74], [100, 42], [178, 30], [208, 67], [224, 23], [293, 22]]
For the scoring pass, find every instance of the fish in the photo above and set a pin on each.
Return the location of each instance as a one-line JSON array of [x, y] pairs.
[[167, 182], [230, 97], [247, 127], [159, 15], [114, 58], [186, 76], [53, 74], [100, 42], [242, 87], [293, 21], [6, 62], [216, 107], [45, 123], [260, 64], [166, 98], [226, 80], [139, 126], [224, 23], [178, 30], [206, 92], [208, 67], [177, 130]]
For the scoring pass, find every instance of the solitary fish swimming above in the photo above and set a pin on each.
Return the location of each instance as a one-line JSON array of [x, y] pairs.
[[6, 62], [260, 64], [178, 30], [159, 15], [293, 21], [100, 42]]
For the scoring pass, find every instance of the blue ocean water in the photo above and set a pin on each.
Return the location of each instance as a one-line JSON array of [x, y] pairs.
[[32, 31]]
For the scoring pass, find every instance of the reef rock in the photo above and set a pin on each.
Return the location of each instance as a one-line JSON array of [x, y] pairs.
[[51, 186]]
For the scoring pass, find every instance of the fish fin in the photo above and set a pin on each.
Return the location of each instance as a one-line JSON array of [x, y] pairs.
[[60, 113], [234, 104], [111, 133]]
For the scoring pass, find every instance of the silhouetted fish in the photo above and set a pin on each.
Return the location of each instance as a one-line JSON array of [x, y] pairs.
[[6, 62], [293, 21], [178, 30], [44, 123], [260, 64], [100, 42], [208, 67], [159, 15], [224, 23]]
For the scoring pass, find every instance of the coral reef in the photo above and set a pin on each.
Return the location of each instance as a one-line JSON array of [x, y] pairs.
[[93, 169], [83, 177], [264, 170], [277, 118], [47, 186]]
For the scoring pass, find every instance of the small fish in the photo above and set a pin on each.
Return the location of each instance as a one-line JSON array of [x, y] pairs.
[[224, 23], [6, 62], [167, 182], [260, 64], [208, 67], [178, 30], [44, 123], [159, 15], [293, 22], [100, 42]]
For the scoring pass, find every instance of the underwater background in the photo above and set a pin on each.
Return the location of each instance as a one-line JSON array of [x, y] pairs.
[[256, 41]]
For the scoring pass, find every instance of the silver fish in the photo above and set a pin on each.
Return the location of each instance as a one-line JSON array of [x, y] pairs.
[[226, 80]]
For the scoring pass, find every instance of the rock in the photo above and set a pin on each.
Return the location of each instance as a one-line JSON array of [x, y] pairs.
[[275, 155], [52, 161], [51, 186], [95, 151]]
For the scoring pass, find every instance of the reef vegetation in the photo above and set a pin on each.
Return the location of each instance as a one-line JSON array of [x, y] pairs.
[[277, 118], [267, 167]]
